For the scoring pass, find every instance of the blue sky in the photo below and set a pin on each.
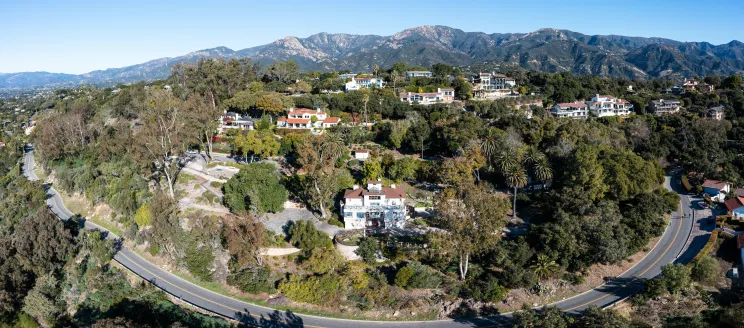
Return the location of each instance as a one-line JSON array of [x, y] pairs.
[[79, 36]]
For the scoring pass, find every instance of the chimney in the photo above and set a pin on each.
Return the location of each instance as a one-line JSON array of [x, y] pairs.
[[356, 186], [392, 186], [379, 179], [317, 109], [597, 95]]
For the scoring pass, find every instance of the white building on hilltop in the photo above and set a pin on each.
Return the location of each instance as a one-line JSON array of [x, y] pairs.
[[446, 95], [302, 118], [486, 85], [374, 207], [357, 83], [603, 106], [575, 110]]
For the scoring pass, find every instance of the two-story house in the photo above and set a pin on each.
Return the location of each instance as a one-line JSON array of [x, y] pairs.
[[357, 83], [716, 113], [716, 189], [374, 207], [575, 110], [664, 106], [445, 95], [347, 76], [305, 118], [412, 74], [602, 106], [489, 84]]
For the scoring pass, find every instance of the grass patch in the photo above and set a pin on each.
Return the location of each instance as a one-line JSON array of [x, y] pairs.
[[209, 196], [185, 178], [230, 164], [216, 184]]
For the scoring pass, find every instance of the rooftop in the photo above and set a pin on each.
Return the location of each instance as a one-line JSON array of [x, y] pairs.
[[734, 203], [715, 184], [388, 192], [576, 104]]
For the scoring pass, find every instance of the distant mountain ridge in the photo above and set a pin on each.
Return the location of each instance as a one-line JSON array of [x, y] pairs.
[[549, 50]]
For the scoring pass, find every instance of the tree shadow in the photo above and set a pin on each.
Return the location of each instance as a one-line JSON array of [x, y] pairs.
[[276, 319]]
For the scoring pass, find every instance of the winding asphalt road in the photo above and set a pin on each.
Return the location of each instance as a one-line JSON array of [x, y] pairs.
[[668, 250]]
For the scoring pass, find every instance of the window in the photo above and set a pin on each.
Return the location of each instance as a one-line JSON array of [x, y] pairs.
[[375, 204], [360, 215], [374, 197], [347, 214]]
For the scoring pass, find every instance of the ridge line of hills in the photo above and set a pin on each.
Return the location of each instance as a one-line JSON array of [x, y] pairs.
[[547, 49]]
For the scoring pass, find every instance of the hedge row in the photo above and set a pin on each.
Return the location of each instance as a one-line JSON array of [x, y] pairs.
[[708, 246], [686, 183]]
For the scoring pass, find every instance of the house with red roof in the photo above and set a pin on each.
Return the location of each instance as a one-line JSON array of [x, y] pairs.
[[302, 118], [735, 206], [375, 207], [575, 110], [716, 189]]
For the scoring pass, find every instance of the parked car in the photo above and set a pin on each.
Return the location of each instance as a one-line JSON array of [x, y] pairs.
[[703, 204]]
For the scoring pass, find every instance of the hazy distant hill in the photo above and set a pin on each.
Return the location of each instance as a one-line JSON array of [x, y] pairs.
[[547, 50]]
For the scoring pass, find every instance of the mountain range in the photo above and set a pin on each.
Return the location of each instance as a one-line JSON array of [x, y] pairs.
[[549, 50]]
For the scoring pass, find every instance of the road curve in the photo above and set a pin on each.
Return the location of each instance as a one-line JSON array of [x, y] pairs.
[[666, 251]]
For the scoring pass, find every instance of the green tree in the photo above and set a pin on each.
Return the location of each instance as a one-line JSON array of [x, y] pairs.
[[463, 88], [243, 237], [372, 169], [471, 217], [593, 316], [142, 216], [256, 188], [367, 250], [42, 301], [252, 280], [706, 270], [676, 277], [544, 267], [199, 261], [732, 82], [403, 275], [304, 235]]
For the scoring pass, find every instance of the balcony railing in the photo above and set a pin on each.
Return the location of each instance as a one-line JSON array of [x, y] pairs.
[[375, 208]]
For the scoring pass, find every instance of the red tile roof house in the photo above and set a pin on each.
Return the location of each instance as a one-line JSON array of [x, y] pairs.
[[717, 190], [374, 207], [739, 192], [301, 118], [736, 207]]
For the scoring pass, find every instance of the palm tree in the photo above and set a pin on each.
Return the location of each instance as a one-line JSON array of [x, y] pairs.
[[544, 267], [376, 69], [540, 166], [488, 146], [516, 177], [332, 146]]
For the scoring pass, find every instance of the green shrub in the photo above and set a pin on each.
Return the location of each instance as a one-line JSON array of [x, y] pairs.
[[488, 290], [353, 162], [199, 261], [706, 270], [304, 235], [252, 280], [573, 278], [686, 183], [320, 290], [154, 249], [417, 275], [143, 217], [403, 276], [324, 260], [367, 250], [336, 222], [215, 184]]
